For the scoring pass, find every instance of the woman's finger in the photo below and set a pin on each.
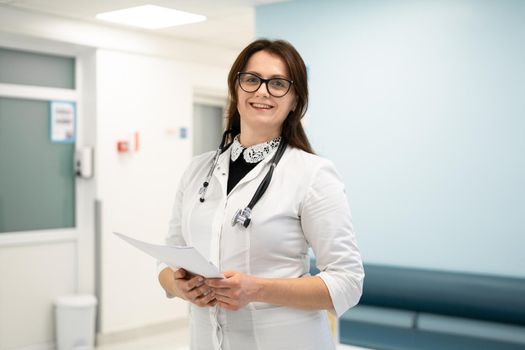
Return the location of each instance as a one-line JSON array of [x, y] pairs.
[[194, 283], [231, 307], [218, 283], [205, 299], [199, 292], [180, 273], [223, 292], [225, 299]]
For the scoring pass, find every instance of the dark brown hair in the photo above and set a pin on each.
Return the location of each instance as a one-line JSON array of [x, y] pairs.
[[292, 129]]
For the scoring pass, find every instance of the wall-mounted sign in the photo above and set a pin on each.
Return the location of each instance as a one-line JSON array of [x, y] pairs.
[[62, 122], [183, 132]]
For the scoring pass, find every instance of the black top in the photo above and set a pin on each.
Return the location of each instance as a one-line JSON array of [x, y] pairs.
[[238, 169]]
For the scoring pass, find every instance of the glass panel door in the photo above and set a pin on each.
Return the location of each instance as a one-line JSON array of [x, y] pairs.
[[37, 181]]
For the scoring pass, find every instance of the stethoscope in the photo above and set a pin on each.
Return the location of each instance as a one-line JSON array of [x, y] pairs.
[[243, 216]]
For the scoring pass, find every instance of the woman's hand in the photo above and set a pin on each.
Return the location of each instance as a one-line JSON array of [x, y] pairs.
[[189, 287], [235, 290]]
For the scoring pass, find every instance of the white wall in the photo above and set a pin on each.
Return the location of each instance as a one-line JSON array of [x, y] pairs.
[[132, 82], [152, 96], [32, 276], [420, 104]]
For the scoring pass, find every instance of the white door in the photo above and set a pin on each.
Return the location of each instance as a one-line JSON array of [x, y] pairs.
[[46, 219], [208, 124]]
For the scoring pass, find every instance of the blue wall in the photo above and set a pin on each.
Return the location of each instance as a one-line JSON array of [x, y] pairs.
[[421, 105]]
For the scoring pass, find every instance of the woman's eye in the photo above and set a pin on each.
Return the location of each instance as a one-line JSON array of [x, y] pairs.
[[251, 80], [278, 84]]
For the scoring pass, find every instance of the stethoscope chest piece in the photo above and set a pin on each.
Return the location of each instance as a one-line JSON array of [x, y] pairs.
[[242, 216]]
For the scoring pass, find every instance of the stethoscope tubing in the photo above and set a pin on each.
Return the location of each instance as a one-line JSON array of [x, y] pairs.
[[243, 216], [268, 178]]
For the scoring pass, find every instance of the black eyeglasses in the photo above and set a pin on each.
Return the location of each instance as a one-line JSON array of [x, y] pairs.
[[277, 87]]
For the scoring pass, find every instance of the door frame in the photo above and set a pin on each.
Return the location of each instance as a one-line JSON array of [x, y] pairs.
[[82, 235], [209, 97]]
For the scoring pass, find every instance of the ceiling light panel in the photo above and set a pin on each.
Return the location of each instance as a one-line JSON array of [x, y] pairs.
[[150, 17]]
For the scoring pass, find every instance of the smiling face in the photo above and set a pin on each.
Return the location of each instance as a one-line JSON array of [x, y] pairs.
[[262, 115]]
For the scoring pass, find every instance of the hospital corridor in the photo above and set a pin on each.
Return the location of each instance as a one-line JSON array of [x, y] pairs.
[[262, 175]]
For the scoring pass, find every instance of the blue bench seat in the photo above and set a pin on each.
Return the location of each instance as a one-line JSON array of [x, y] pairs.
[[418, 309]]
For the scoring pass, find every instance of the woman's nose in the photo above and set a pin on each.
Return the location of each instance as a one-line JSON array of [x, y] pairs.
[[263, 90]]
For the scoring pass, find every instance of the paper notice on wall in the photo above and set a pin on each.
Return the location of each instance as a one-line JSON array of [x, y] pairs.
[[62, 122]]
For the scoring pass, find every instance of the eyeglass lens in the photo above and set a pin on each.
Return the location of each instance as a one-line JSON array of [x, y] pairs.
[[277, 87]]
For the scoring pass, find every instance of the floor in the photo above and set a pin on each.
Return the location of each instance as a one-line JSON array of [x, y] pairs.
[[173, 340]]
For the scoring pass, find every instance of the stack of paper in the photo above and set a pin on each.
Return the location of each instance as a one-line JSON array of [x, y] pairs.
[[177, 256]]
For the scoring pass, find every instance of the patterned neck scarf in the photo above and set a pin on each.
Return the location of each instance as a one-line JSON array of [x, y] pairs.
[[255, 153]]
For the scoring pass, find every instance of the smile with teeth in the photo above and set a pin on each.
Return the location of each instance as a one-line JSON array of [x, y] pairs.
[[261, 106]]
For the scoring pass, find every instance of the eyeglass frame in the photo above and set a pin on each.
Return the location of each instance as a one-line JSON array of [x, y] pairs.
[[264, 81]]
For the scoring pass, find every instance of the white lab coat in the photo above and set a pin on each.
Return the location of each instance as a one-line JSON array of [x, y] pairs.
[[304, 205]]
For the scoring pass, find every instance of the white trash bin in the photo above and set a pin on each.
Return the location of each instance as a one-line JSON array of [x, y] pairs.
[[75, 322]]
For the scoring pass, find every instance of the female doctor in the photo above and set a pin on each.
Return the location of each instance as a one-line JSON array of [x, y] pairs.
[[253, 208]]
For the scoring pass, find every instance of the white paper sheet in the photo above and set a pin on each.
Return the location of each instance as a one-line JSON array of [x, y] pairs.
[[177, 256]]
